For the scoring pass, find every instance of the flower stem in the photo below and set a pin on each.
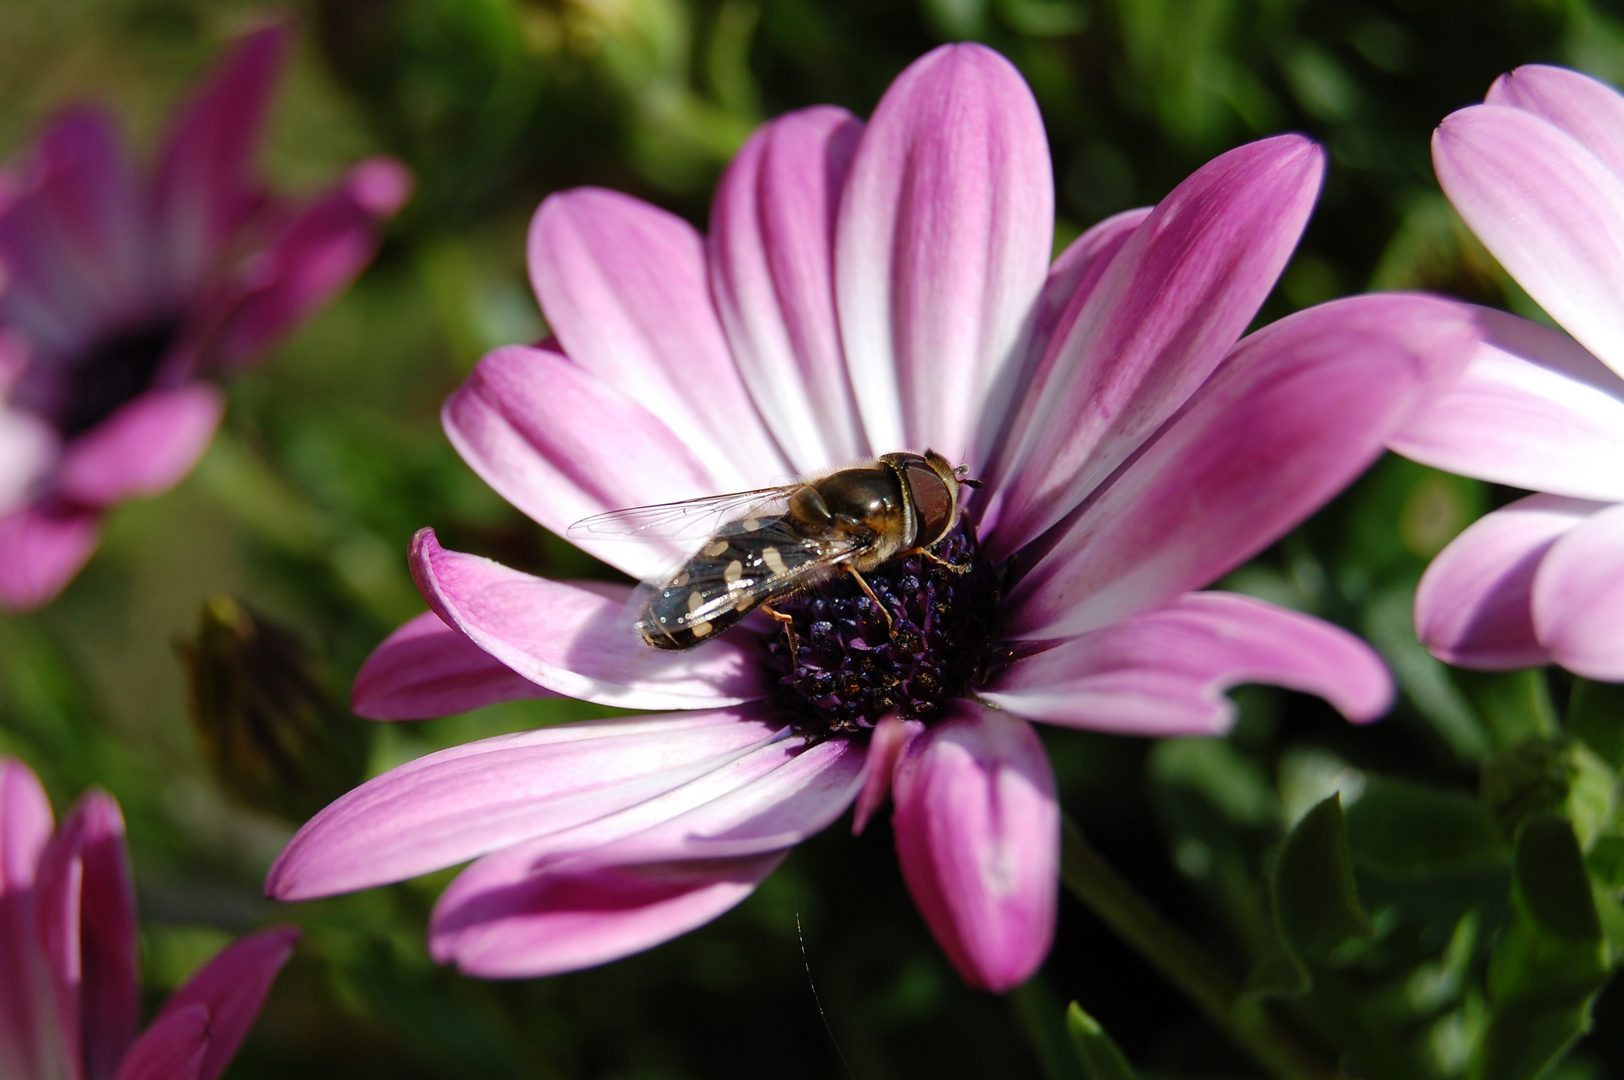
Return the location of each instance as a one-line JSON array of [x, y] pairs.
[[1093, 881]]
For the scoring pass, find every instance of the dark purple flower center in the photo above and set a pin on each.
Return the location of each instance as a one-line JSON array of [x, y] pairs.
[[119, 367], [849, 666]]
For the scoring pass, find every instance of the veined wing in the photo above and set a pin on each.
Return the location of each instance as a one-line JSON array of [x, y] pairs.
[[690, 519], [737, 571]]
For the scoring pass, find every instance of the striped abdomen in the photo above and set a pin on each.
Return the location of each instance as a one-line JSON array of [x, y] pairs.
[[744, 564]]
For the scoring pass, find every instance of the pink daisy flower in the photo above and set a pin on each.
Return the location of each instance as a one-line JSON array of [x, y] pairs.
[[70, 987], [866, 289], [122, 295], [1537, 171]]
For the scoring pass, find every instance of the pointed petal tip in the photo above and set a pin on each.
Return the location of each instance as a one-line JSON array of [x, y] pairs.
[[426, 669], [577, 639]]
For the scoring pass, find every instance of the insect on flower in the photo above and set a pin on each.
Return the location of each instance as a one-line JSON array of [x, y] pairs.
[[866, 288], [781, 540]]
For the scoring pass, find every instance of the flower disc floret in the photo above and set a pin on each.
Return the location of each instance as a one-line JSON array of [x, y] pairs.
[[840, 665]]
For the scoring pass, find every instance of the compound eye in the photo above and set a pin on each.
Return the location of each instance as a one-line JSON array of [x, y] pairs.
[[933, 502]]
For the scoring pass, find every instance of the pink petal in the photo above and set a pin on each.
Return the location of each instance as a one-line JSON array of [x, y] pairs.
[[978, 837], [426, 669], [1548, 209], [31, 1041], [1579, 597], [232, 987], [885, 748], [29, 448], [470, 800], [1074, 277], [72, 243], [1164, 672], [1130, 351], [25, 826], [589, 912], [1587, 109], [59, 895], [1473, 605], [316, 256], [579, 639], [771, 246], [797, 789], [561, 445], [625, 287], [555, 905], [941, 248], [206, 185], [87, 924], [1297, 411], [109, 989], [41, 549], [145, 448], [173, 1048], [1532, 410]]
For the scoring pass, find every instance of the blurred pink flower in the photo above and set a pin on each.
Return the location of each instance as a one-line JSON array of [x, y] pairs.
[[866, 289], [121, 295], [70, 987], [1537, 171]]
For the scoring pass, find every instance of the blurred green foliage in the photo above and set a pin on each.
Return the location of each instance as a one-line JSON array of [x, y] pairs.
[[1436, 896]]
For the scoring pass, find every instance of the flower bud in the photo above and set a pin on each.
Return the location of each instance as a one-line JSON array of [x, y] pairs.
[[272, 732]]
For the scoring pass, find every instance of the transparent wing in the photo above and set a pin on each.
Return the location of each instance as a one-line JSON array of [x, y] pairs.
[[690, 519], [741, 568]]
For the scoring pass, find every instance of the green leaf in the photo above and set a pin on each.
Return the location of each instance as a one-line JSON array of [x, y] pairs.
[[1403, 829], [1592, 794], [1605, 861], [1549, 871], [1233, 784], [1315, 902], [1037, 1010], [1277, 975], [1596, 717], [1516, 705], [1550, 960], [1100, 1058], [1390, 626], [1527, 1039]]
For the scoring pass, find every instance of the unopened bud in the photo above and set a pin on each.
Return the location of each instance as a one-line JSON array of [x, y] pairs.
[[272, 732]]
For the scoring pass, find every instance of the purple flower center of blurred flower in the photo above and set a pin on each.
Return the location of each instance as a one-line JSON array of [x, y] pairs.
[[128, 292], [850, 666], [116, 369]]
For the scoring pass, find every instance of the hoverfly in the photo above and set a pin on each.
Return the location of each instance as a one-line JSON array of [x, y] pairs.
[[780, 540]]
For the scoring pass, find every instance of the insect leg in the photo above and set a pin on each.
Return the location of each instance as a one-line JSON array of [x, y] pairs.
[[788, 623], [938, 560], [890, 623]]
